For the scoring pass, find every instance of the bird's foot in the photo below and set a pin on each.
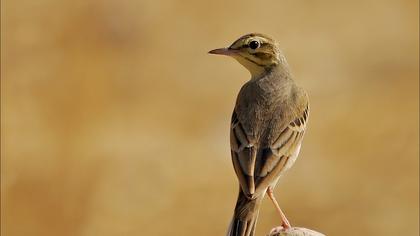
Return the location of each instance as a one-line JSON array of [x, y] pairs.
[[277, 230], [285, 224], [282, 228]]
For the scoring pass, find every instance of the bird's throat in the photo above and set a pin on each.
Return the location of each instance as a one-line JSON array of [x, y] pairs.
[[255, 69]]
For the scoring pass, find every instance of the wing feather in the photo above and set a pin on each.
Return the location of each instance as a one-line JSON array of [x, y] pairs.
[[258, 167]]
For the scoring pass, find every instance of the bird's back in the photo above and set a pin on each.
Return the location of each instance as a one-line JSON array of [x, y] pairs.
[[265, 106]]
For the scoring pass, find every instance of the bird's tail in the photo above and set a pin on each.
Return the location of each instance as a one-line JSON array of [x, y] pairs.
[[245, 216]]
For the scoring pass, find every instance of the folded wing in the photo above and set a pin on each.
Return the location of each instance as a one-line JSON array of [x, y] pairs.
[[259, 166]]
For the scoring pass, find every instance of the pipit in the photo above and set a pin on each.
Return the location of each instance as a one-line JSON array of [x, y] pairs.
[[267, 127]]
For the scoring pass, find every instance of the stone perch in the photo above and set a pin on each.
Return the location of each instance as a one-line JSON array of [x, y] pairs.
[[294, 231]]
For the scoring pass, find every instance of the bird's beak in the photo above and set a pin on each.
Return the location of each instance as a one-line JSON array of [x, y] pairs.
[[223, 51]]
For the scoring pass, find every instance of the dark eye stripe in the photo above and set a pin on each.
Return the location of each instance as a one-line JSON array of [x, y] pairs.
[[247, 46]]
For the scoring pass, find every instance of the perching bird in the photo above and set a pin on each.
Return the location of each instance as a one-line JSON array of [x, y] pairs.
[[267, 127]]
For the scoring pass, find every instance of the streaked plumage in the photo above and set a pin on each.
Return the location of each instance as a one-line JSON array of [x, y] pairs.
[[267, 127]]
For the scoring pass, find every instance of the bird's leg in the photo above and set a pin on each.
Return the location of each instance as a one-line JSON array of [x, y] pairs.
[[285, 223]]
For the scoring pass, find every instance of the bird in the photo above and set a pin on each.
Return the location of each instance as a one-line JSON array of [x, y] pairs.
[[267, 127]]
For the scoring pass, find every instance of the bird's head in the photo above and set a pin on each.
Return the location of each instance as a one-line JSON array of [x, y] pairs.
[[256, 52]]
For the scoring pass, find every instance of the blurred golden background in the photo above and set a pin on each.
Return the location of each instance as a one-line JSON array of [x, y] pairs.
[[115, 121]]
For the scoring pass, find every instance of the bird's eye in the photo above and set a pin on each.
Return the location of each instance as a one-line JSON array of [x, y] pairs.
[[254, 44]]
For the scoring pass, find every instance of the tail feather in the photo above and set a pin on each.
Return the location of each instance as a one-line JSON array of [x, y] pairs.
[[245, 217], [242, 228]]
